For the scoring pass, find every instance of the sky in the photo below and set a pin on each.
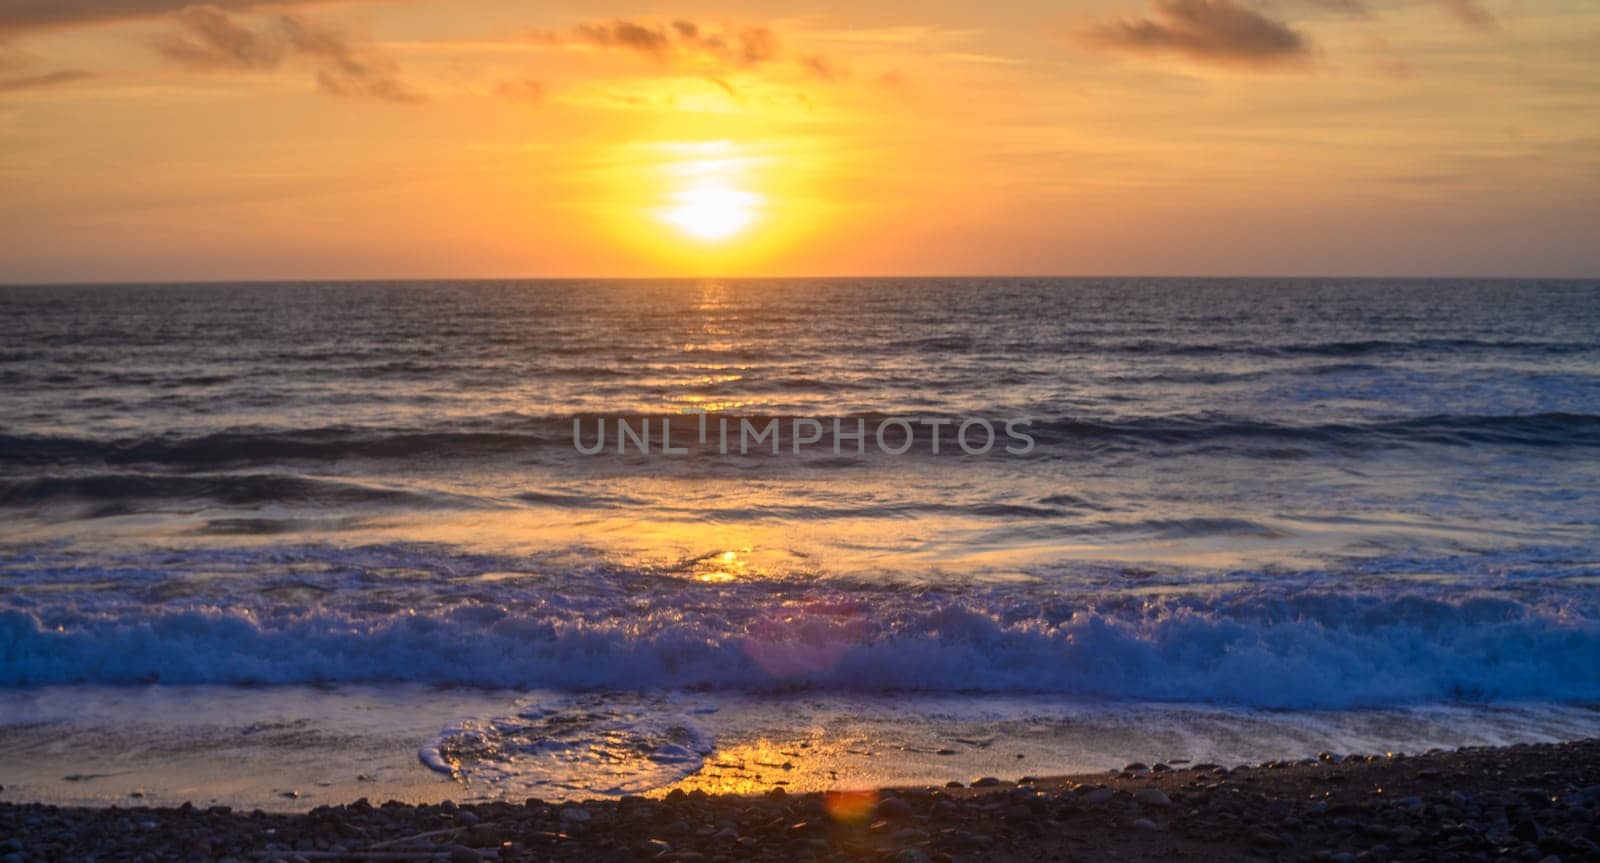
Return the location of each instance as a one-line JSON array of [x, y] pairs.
[[164, 140]]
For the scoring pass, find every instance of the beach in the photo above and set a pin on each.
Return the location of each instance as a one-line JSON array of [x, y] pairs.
[[1537, 802]]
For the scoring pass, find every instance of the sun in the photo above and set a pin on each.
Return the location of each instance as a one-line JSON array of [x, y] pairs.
[[711, 211]]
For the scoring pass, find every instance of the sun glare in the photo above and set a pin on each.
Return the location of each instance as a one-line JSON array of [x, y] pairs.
[[711, 211], [707, 196]]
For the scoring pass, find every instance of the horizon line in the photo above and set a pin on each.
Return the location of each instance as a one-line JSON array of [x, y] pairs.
[[307, 280]]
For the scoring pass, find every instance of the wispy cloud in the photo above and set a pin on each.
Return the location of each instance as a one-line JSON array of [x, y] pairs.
[[18, 16], [1353, 8], [821, 67], [45, 79], [521, 90], [210, 39], [1209, 31], [679, 40], [1471, 15]]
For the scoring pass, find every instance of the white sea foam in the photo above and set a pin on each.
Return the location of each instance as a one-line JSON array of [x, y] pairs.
[[1264, 642]]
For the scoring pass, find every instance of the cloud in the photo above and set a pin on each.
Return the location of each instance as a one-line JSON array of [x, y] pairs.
[[1353, 8], [18, 16], [46, 79], [1472, 15], [210, 39], [1209, 31], [677, 41], [11, 59], [524, 90], [821, 67]]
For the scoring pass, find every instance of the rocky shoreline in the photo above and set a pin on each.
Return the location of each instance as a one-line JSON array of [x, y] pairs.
[[1534, 802]]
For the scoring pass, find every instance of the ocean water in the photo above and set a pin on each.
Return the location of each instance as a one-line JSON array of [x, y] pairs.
[[1302, 507]]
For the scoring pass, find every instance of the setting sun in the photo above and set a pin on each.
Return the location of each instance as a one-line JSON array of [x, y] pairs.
[[711, 211]]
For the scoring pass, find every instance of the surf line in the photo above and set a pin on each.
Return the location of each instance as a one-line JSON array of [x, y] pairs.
[[894, 436]]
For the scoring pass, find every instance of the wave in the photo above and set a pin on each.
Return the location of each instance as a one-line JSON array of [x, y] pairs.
[[113, 494], [1260, 647], [1540, 430], [527, 434], [1354, 347], [265, 447]]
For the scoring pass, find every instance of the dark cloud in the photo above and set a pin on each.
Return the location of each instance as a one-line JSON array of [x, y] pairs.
[[656, 42], [46, 79], [211, 39], [17, 16], [1472, 15], [682, 41], [1211, 31], [344, 70]]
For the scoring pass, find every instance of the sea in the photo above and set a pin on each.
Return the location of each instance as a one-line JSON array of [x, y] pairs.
[[290, 544]]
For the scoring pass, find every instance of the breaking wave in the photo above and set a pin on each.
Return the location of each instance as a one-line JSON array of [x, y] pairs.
[[1260, 646]]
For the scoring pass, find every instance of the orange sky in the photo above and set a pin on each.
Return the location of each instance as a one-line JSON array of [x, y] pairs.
[[152, 139]]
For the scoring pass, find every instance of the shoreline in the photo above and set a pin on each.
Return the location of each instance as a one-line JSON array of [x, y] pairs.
[[1523, 801]]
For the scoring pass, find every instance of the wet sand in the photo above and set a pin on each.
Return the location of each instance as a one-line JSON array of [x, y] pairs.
[[1529, 802]]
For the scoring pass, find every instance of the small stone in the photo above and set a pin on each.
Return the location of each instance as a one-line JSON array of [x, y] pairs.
[[909, 836], [1266, 840], [1096, 796], [1137, 767], [575, 815], [1152, 797], [894, 809], [1144, 824], [985, 782]]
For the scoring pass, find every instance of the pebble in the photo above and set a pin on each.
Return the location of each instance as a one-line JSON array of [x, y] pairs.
[[1152, 797], [894, 809], [1527, 803], [1096, 796]]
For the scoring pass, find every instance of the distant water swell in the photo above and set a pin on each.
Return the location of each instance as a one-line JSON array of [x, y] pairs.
[[510, 436], [1256, 647]]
